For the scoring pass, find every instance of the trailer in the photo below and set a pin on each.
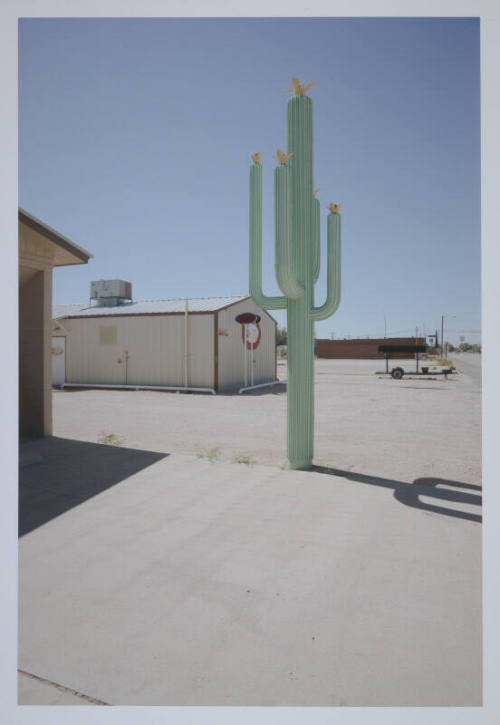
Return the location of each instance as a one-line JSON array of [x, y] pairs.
[[398, 372]]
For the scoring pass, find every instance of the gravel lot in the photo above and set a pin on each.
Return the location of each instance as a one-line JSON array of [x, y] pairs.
[[365, 423]]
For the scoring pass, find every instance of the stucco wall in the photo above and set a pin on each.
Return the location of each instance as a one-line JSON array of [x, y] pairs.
[[35, 359], [40, 249]]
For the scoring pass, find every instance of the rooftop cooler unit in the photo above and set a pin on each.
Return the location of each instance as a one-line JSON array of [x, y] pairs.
[[110, 292]]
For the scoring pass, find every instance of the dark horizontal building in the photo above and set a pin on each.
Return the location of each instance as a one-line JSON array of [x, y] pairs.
[[364, 348]]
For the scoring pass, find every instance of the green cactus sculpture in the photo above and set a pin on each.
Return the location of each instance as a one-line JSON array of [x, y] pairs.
[[297, 264]]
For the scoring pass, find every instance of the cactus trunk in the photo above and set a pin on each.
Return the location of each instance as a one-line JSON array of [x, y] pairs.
[[300, 352], [297, 267], [300, 386]]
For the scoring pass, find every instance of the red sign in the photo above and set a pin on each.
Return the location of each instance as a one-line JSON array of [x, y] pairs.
[[246, 318], [250, 329]]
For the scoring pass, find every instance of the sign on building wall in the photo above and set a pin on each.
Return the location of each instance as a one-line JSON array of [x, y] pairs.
[[250, 329]]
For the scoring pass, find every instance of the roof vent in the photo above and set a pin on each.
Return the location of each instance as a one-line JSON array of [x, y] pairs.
[[110, 292]]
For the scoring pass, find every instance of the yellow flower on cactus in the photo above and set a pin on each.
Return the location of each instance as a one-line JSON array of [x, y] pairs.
[[299, 89], [334, 208], [256, 158], [282, 157]]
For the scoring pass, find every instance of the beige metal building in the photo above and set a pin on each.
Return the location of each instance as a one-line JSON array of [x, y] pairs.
[[41, 249], [181, 344]]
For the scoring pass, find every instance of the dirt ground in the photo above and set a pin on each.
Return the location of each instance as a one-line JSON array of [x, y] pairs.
[[365, 423]]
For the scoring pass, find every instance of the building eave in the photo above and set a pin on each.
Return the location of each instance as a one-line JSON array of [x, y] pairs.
[[81, 255]]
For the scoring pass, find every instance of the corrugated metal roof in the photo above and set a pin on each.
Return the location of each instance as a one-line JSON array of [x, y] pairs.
[[145, 307]]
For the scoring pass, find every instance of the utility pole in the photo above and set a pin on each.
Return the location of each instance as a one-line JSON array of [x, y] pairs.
[[442, 335]]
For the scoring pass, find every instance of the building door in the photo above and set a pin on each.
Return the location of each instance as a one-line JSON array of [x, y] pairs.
[[58, 360]]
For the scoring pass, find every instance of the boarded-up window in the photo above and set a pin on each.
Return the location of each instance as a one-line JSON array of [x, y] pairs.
[[107, 335]]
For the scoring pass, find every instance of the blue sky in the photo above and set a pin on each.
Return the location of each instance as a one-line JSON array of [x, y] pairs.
[[135, 141]]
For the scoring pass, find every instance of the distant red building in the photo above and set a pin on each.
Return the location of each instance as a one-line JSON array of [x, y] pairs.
[[364, 348]]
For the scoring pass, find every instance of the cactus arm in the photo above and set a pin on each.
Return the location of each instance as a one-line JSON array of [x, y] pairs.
[[333, 274], [316, 240], [255, 261], [285, 276]]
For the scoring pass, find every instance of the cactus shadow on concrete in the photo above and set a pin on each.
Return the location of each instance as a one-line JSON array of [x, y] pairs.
[[410, 493]]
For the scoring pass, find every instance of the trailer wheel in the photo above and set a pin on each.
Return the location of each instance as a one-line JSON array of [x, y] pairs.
[[397, 373]]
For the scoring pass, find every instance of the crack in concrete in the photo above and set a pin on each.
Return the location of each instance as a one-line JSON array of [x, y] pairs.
[[62, 688]]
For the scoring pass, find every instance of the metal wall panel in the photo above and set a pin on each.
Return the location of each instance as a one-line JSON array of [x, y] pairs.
[[149, 350], [231, 348]]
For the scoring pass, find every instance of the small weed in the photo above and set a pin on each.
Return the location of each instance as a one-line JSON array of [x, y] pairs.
[[111, 439], [212, 454], [246, 460]]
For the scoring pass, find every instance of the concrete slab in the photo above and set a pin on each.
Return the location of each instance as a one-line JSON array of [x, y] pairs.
[[196, 583]]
